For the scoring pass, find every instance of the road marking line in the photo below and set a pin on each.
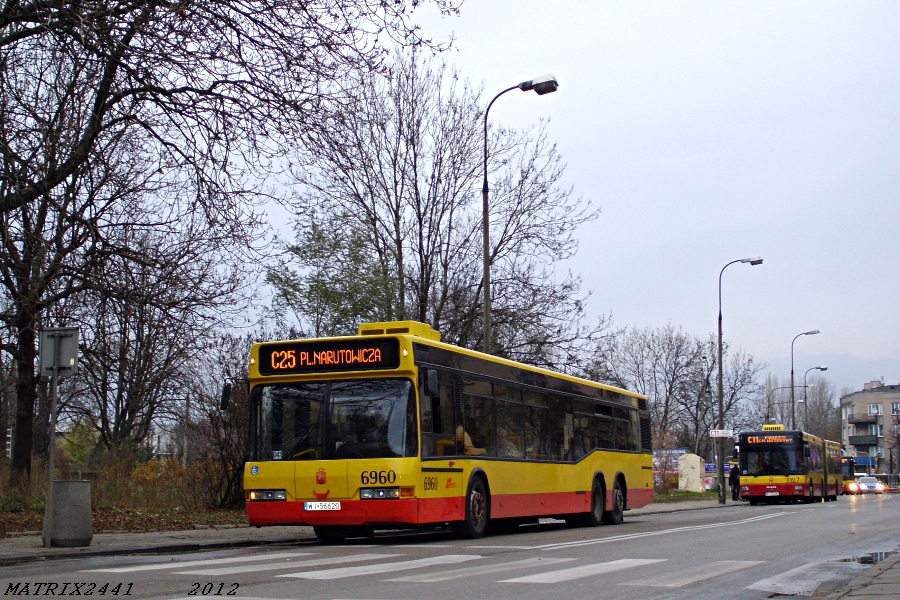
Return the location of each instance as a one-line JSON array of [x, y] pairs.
[[584, 571], [198, 563], [315, 562], [421, 545], [697, 573], [383, 567], [483, 570], [804, 580], [634, 536]]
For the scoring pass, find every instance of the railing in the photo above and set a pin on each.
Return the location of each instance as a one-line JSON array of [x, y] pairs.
[[863, 440], [862, 419]]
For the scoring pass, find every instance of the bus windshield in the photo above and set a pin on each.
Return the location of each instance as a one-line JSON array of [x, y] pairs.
[[772, 459], [361, 418]]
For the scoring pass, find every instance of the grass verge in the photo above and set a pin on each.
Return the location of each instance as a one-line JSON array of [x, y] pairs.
[[683, 496]]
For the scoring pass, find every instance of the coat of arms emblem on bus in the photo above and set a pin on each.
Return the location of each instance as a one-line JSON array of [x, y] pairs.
[[320, 477]]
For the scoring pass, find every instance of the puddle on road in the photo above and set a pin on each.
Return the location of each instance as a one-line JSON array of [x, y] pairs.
[[867, 559]]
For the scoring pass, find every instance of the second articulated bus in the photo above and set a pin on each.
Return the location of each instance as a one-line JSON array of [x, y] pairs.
[[780, 465], [394, 429]]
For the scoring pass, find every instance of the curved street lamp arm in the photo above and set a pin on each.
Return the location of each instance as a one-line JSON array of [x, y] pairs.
[[484, 187]]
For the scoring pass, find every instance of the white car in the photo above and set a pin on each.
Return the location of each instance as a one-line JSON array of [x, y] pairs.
[[870, 484]]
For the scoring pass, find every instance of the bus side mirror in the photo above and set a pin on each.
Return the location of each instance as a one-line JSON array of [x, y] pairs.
[[226, 397], [806, 452], [430, 382]]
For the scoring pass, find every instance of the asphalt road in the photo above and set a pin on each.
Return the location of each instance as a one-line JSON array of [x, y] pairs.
[[735, 552]]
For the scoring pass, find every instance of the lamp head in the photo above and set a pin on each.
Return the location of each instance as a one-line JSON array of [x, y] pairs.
[[753, 260], [822, 368], [813, 332], [545, 84]]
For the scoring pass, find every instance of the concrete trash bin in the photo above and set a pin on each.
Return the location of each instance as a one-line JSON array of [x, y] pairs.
[[72, 520]]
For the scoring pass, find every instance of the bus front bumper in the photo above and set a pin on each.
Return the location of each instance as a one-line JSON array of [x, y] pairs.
[[773, 490], [353, 512]]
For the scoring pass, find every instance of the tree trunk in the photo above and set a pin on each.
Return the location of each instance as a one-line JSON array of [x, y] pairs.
[[26, 394]]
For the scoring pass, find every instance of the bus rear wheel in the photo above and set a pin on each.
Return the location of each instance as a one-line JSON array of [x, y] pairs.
[[616, 513], [475, 523]]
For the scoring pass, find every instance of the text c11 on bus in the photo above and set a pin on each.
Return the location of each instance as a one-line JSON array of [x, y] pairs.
[[721, 433]]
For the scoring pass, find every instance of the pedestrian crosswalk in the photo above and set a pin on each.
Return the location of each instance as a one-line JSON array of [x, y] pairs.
[[511, 569]]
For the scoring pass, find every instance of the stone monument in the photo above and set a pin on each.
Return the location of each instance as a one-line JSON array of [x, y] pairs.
[[690, 473]]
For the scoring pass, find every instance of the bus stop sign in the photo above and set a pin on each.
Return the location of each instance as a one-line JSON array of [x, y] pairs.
[[67, 340]]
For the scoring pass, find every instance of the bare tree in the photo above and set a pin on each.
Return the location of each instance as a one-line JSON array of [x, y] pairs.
[[675, 370], [145, 324], [222, 86], [821, 414], [219, 437], [71, 251], [659, 363], [401, 167]]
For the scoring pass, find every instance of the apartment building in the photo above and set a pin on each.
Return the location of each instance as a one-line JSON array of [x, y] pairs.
[[870, 426]]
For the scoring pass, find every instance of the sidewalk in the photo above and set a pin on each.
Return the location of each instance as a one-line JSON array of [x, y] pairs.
[[879, 582]]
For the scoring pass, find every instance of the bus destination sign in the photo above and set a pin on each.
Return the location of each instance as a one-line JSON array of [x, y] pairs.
[[771, 438], [319, 357]]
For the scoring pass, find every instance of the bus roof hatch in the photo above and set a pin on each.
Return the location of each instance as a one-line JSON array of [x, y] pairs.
[[415, 328]]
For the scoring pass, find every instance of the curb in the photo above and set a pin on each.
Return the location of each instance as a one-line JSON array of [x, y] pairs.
[[866, 578]]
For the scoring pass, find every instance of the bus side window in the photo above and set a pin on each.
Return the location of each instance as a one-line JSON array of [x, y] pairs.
[[479, 417], [438, 431]]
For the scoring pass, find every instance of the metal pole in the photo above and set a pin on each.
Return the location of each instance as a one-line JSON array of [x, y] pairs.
[[793, 423], [184, 427], [485, 231], [806, 400], [54, 383], [719, 445]]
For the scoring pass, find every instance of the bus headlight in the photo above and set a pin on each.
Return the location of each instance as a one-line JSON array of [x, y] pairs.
[[262, 495], [379, 493]]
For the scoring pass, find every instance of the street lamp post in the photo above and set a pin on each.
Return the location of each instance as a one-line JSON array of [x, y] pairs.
[[755, 260], [812, 332], [545, 84], [805, 390]]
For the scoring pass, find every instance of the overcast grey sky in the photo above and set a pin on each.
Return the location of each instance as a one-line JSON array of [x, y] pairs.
[[712, 131]]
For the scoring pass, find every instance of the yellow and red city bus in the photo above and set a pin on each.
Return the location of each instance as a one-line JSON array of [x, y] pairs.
[[394, 429], [781, 465]]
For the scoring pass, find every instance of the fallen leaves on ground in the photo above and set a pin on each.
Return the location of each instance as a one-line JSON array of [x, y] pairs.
[[110, 519]]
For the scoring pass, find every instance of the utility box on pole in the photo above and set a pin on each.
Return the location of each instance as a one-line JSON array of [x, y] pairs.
[[68, 520]]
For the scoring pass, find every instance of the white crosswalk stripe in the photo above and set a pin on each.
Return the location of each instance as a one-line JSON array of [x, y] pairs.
[[383, 567], [690, 575], [584, 571], [198, 563], [804, 580], [482, 570], [315, 562]]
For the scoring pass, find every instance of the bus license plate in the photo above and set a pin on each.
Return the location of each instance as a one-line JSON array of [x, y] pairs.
[[321, 506], [767, 494]]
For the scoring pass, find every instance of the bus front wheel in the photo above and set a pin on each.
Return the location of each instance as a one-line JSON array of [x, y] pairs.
[[617, 510], [475, 524]]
